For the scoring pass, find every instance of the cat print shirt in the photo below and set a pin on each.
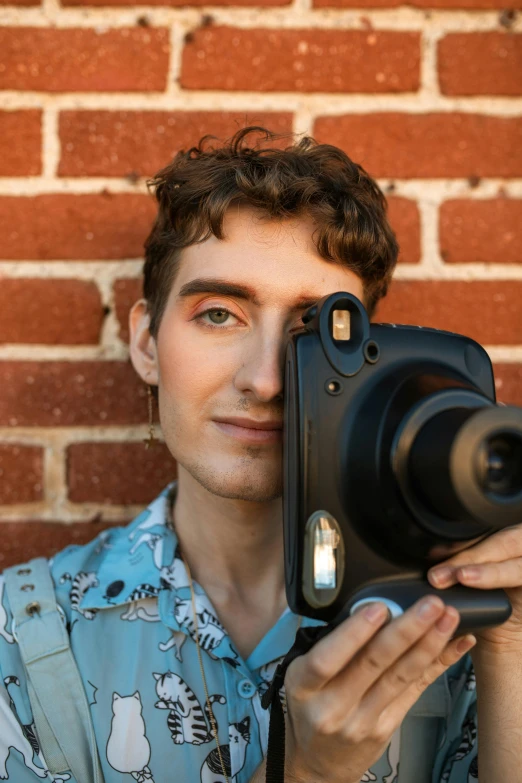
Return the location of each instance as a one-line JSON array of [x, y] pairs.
[[127, 603]]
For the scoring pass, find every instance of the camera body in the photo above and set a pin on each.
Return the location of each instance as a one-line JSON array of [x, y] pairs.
[[391, 442]]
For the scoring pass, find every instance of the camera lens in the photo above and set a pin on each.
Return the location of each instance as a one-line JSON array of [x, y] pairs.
[[500, 465]]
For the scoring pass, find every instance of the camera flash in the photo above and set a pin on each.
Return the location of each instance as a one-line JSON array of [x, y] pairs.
[[326, 541], [341, 324]]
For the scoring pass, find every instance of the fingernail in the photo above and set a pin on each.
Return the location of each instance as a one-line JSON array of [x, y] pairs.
[[429, 608], [375, 612], [466, 643], [447, 622], [441, 575]]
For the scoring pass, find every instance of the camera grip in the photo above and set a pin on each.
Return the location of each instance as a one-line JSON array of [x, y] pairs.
[[477, 609]]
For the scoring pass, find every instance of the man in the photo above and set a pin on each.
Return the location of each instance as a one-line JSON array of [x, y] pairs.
[[178, 621]]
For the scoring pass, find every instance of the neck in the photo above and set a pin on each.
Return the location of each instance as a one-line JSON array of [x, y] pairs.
[[234, 548]]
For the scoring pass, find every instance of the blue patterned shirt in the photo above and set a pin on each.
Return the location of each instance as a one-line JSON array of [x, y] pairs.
[[127, 602]]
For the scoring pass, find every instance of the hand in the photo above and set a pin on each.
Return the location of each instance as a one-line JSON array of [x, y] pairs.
[[349, 693], [494, 562]]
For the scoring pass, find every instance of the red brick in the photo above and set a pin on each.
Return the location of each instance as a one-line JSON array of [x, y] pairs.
[[405, 221], [488, 312], [482, 230], [50, 312], [227, 58], [393, 144], [70, 394], [20, 143], [508, 383], [21, 473], [118, 473], [177, 3], [80, 60], [451, 5], [21, 541], [480, 64], [119, 143], [126, 292], [79, 227]]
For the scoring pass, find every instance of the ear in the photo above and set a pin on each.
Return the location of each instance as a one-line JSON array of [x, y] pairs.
[[143, 352]]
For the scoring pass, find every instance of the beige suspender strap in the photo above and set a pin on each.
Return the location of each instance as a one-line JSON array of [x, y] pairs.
[[60, 707]]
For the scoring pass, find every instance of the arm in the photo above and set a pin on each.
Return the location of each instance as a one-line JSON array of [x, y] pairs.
[[499, 703]]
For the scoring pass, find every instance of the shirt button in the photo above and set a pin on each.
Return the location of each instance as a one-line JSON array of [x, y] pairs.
[[246, 689]]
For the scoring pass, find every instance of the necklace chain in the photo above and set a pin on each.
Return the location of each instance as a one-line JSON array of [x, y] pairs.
[[170, 523], [209, 706]]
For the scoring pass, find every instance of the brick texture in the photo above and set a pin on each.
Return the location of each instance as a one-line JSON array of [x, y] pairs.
[[78, 60], [62, 226], [21, 473], [20, 143], [48, 312], [393, 144], [177, 3], [425, 94], [485, 230], [126, 292], [404, 217], [480, 64], [451, 5], [226, 58], [71, 394], [21, 540], [20, 2], [123, 143], [118, 473], [508, 382], [488, 312]]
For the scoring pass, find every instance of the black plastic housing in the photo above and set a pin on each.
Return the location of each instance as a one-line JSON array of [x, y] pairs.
[[358, 447]]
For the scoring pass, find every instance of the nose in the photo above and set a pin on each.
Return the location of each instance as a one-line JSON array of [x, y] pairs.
[[261, 373]]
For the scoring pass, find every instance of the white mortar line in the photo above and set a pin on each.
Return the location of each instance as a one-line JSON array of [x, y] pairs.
[[433, 269], [436, 190], [298, 16], [51, 149], [429, 235], [508, 354], [318, 103], [95, 271]]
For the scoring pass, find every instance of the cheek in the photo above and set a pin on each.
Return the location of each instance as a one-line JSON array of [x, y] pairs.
[[192, 370]]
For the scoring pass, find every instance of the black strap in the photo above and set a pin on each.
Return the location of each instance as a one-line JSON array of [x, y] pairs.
[[275, 761]]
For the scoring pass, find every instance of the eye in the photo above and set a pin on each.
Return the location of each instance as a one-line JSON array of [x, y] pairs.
[[215, 317]]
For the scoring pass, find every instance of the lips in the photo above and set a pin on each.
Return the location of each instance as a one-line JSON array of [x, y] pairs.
[[252, 424], [250, 430]]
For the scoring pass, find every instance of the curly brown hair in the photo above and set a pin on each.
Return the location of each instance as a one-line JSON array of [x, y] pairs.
[[317, 180]]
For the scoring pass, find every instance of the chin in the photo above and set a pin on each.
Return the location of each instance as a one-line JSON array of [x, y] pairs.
[[250, 484]]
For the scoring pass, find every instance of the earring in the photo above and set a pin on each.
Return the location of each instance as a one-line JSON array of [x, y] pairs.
[[150, 441]]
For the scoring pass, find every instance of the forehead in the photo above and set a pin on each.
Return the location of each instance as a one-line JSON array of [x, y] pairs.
[[277, 258]]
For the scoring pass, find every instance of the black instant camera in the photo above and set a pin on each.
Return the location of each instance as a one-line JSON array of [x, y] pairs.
[[395, 457]]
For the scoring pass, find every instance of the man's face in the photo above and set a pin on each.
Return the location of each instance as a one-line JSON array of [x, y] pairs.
[[221, 344]]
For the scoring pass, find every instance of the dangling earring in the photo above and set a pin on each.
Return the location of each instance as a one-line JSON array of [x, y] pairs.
[[150, 441]]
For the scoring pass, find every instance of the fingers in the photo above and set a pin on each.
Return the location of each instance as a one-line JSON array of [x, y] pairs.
[[486, 576], [451, 653], [501, 547], [412, 666], [388, 646], [312, 671]]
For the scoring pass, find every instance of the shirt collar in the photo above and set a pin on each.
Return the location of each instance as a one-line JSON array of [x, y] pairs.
[[138, 560], [144, 560]]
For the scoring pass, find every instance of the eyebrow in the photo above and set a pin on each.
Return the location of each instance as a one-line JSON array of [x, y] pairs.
[[211, 285]]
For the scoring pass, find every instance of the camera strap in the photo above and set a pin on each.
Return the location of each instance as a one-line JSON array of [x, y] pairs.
[[275, 761]]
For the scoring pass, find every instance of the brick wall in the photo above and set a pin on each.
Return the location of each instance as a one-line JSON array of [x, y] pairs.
[[94, 97]]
